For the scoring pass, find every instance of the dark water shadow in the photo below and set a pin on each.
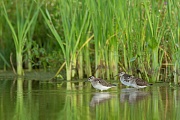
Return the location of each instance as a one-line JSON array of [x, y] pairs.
[[132, 95]]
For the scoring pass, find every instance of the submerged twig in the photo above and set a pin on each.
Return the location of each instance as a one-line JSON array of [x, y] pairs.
[[58, 70]]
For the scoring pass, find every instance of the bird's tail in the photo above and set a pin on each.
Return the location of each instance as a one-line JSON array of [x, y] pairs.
[[114, 85], [150, 84]]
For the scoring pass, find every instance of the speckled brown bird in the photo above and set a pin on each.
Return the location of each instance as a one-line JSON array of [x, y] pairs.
[[100, 84], [130, 80]]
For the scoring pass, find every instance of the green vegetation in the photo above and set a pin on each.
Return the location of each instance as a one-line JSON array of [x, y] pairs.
[[24, 21], [92, 37]]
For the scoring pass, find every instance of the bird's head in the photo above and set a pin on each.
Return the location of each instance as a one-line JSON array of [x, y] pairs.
[[91, 78], [121, 74]]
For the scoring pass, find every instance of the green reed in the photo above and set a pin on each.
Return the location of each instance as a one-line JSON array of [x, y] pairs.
[[103, 38], [156, 24], [73, 22], [174, 27], [125, 32], [5, 61], [127, 36], [103, 27], [96, 17], [142, 29], [19, 28]]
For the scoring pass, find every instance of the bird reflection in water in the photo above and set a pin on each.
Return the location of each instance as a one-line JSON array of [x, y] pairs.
[[99, 98], [132, 95]]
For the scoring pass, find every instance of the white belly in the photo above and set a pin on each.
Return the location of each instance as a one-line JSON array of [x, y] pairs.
[[131, 83], [100, 87], [125, 82]]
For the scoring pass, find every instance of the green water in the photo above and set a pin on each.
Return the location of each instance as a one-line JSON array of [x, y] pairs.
[[41, 100]]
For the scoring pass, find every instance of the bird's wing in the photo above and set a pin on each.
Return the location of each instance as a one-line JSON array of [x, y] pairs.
[[127, 76], [103, 82], [141, 82]]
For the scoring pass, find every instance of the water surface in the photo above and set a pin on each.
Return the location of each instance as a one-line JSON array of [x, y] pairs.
[[43, 100]]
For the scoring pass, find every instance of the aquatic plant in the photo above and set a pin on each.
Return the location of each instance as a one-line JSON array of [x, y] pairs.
[[104, 37], [74, 25], [24, 21]]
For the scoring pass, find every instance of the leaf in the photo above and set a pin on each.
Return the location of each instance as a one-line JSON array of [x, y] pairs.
[[133, 59]]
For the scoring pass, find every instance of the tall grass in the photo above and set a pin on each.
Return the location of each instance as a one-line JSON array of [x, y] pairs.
[[102, 38], [5, 61], [19, 28], [128, 35], [74, 27], [157, 25], [106, 45], [173, 31]]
